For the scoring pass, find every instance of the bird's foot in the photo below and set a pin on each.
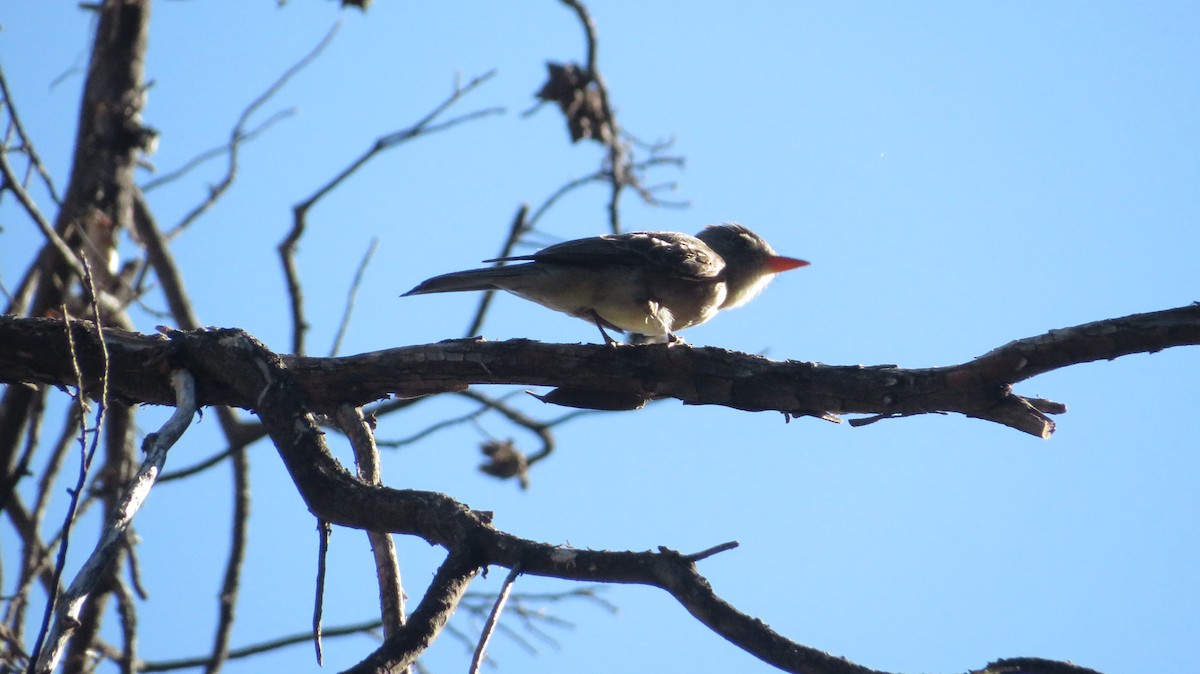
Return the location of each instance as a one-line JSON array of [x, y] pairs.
[[638, 339], [600, 326]]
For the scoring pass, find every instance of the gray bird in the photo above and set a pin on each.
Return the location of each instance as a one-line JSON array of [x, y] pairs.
[[647, 283]]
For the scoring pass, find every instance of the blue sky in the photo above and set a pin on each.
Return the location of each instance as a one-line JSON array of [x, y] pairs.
[[960, 175]]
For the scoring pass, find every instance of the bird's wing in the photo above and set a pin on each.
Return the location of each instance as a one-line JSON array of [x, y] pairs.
[[671, 252]]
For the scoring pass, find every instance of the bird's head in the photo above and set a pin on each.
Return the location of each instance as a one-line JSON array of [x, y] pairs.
[[750, 262]]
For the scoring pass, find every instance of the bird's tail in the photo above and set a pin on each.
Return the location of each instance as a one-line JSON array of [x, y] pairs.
[[490, 278]]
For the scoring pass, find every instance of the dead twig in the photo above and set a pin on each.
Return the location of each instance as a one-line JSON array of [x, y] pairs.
[[239, 135], [489, 627], [425, 126], [324, 530], [387, 567], [358, 276], [155, 447], [231, 583], [49, 634]]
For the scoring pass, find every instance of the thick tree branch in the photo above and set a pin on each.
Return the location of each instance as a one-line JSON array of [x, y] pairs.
[[35, 351], [233, 368], [450, 583]]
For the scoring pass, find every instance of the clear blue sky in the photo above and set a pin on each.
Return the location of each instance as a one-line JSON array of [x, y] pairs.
[[960, 175]]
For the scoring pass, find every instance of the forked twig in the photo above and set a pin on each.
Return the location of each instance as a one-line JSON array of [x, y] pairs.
[[239, 135], [425, 126], [26, 146]]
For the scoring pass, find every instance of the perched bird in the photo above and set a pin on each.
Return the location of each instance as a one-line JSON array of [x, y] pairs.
[[647, 283]]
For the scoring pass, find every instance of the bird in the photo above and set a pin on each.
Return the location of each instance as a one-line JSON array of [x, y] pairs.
[[652, 284]]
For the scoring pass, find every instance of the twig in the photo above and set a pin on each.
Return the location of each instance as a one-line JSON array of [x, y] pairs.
[[48, 632], [33, 414], [114, 470], [155, 447], [515, 232], [48, 477], [36, 565], [259, 648], [424, 126], [441, 598], [596, 176], [127, 609], [233, 565], [249, 434], [135, 569], [214, 152], [160, 259], [239, 135], [493, 618], [616, 151], [200, 467], [27, 147], [323, 532], [435, 427], [716, 549], [562, 191], [538, 428], [12, 184], [358, 276]]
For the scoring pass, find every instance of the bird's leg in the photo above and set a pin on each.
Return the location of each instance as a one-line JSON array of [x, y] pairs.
[[600, 325]]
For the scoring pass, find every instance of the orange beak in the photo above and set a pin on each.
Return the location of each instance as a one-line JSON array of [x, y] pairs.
[[778, 263]]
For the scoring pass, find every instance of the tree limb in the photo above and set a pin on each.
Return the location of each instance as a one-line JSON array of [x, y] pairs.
[[35, 350], [235, 369]]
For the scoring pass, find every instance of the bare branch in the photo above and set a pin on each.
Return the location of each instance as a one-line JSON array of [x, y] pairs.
[[13, 184], [323, 533], [493, 618], [714, 550], [26, 146], [259, 648], [242, 364], [515, 232], [383, 548], [56, 633], [155, 448], [127, 609], [231, 584], [239, 134], [8, 484], [159, 256], [237, 139], [449, 584], [424, 126], [35, 350], [199, 467], [437, 426], [358, 276]]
